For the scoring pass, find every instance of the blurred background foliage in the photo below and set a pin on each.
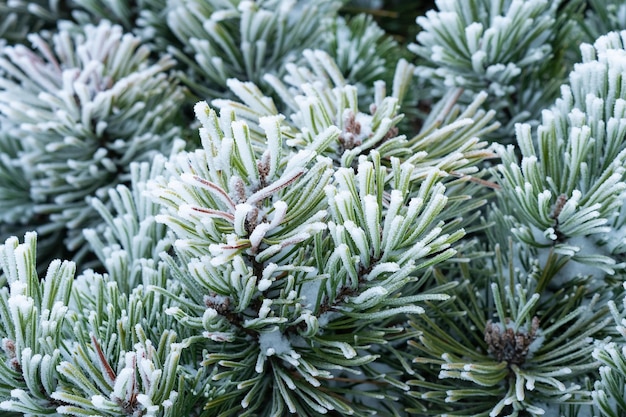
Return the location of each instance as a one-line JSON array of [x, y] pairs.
[[396, 17]]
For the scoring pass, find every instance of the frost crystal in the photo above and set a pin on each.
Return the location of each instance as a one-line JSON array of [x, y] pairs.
[[274, 343]]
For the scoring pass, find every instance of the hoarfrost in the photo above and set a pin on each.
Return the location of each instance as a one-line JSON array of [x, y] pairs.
[[369, 294], [274, 343]]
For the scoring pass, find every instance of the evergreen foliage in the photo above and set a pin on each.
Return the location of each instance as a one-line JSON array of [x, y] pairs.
[[19, 18], [243, 39], [608, 390], [344, 228], [604, 17], [508, 48], [80, 108]]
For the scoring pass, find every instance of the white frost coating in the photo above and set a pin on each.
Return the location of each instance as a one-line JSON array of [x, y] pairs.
[[347, 350], [172, 311], [543, 198], [269, 270], [369, 294], [243, 146], [223, 253], [170, 401], [201, 109], [519, 388], [280, 208], [616, 58], [358, 237], [146, 401], [473, 32], [284, 181], [382, 268], [216, 299], [146, 366], [123, 383], [241, 214], [219, 337], [17, 288], [304, 102], [396, 201], [271, 126], [348, 261], [21, 305], [299, 160], [257, 235], [466, 376], [536, 344], [264, 284], [372, 218], [445, 374], [21, 256], [365, 120], [186, 211], [343, 203], [274, 343], [98, 401], [193, 180], [570, 206], [265, 308], [550, 233], [260, 362], [221, 15], [209, 314]]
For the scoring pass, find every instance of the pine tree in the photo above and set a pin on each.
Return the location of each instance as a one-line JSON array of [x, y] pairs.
[[76, 110], [343, 228]]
